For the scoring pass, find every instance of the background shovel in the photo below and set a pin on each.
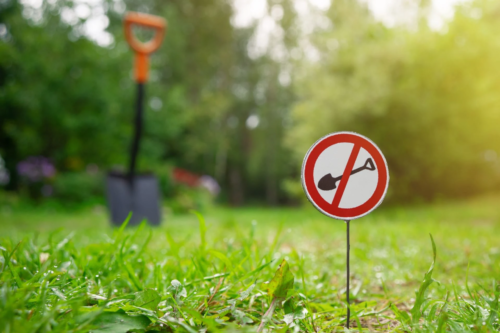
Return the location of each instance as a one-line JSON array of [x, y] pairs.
[[130, 192]]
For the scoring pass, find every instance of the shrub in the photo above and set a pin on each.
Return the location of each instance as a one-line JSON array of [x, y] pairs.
[[79, 187]]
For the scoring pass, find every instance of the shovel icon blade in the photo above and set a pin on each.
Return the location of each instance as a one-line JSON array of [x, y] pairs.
[[327, 183]]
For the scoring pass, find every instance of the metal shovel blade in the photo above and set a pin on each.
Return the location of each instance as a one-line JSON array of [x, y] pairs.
[[139, 196]]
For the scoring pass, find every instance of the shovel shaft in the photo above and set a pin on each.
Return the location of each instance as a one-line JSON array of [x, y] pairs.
[[137, 129]]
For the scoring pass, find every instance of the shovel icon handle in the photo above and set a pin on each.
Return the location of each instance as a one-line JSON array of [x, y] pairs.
[[143, 50]]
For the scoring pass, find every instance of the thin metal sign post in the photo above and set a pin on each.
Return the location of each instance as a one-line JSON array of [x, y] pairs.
[[345, 176], [348, 275]]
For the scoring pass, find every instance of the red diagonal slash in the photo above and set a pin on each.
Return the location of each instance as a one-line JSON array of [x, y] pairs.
[[346, 175]]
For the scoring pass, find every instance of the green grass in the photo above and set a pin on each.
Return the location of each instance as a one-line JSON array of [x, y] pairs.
[[72, 272]]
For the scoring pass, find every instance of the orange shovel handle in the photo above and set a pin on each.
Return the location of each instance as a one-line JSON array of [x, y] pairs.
[[142, 50]]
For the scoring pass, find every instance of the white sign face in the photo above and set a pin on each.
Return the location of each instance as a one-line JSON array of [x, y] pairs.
[[345, 175]]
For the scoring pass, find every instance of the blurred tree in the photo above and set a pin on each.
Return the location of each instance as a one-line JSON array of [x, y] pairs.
[[219, 105], [233, 102], [211, 108], [52, 103], [428, 98]]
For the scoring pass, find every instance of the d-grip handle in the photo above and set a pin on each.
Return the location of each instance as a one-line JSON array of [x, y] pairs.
[[142, 50]]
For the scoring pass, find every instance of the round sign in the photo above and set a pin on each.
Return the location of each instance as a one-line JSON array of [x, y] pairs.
[[345, 175]]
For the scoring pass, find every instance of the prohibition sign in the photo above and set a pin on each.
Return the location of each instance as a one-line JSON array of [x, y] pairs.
[[345, 175]]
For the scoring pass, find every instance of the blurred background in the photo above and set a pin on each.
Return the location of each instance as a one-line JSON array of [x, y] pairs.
[[238, 92]]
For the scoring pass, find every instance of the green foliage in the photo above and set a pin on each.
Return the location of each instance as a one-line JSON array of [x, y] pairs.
[[477, 313], [278, 289], [416, 311], [119, 322], [163, 279], [203, 230], [52, 102], [281, 283], [78, 187], [66, 98], [147, 299], [184, 199], [427, 98]]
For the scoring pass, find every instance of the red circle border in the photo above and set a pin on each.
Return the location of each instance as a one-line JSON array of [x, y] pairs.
[[311, 190]]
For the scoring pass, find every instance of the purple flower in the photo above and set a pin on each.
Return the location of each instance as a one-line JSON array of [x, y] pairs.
[[210, 184], [48, 170], [36, 168]]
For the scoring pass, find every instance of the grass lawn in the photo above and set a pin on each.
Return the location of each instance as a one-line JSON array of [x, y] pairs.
[[72, 272]]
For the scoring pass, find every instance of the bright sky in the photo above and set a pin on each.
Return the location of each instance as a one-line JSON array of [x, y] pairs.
[[390, 12]]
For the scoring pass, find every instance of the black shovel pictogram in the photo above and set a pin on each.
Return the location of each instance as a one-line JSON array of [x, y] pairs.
[[328, 183]]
